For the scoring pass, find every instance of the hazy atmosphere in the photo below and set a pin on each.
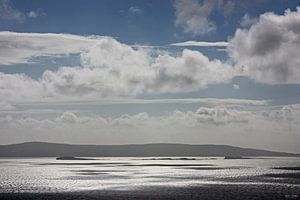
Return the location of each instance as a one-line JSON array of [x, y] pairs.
[[136, 72]]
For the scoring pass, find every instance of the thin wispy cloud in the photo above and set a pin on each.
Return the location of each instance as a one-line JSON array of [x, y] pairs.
[[135, 10], [204, 101], [248, 21], [200, 44], [194, 17], [9, 12]]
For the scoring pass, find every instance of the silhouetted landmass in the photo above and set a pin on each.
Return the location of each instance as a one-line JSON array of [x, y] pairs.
[[287, 168], [235, 157], [295, 175], [42, 149], [73, 158], [169, 159]]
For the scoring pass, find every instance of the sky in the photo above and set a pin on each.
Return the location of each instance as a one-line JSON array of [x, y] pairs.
[[135, 72]]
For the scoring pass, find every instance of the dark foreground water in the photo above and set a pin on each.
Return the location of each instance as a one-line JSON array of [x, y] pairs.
[[150, 178]]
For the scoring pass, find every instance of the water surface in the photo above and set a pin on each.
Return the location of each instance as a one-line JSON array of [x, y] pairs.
[[47, 175]]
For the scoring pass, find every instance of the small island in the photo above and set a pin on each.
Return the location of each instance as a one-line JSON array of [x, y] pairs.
[[73, 158], [235, 157]]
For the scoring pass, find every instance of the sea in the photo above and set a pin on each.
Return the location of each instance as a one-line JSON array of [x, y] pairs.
[[48, 175], [150, 178]]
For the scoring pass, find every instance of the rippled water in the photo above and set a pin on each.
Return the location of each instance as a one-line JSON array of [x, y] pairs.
[[50, 175]]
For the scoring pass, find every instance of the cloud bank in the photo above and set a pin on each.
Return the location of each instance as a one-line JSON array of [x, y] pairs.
[[108, 69], [204, 125]]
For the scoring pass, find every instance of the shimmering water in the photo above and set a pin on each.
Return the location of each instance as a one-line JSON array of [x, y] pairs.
[[49, 175]]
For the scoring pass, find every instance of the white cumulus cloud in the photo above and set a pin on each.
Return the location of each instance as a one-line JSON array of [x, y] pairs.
[[108, 69], [268, 51]]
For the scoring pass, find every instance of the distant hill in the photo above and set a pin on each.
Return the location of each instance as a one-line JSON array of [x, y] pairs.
[[41, 149]]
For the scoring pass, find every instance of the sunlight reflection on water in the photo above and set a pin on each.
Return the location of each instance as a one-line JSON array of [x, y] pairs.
[[50, 175]]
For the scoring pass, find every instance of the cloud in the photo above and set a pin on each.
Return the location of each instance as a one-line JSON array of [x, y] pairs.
[[108, 69], [287, 113], [204, 125], [216, 116], [22, 47], [135, 10], [204, 101], [18, 88], [193, 17], [228, 7], [248, 21], [8, 12], [68, 117], [6, 107], [268, 51], [201, 44], [35, 14], [189, 72], [236, 87]]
